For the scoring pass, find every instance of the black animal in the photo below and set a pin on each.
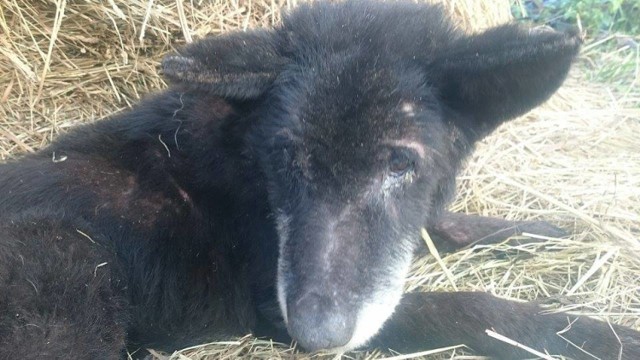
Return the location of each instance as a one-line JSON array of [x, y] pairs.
[[279, 186]]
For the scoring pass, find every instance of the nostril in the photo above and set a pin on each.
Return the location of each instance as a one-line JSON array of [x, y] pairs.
[[319, 322]]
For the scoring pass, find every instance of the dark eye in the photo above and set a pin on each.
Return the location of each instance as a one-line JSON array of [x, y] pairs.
[[400, 162]]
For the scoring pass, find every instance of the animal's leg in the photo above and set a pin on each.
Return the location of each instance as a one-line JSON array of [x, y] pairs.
[[431, 320], [60, 295], [454, 230]]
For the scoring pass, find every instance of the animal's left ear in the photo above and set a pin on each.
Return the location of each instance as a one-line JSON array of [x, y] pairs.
[[502, 73], [240, 65]]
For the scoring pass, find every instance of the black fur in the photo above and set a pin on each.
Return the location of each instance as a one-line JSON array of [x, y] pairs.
[[286, 172]]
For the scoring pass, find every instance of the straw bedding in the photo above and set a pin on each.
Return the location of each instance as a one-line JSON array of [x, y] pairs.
[[574, 162]]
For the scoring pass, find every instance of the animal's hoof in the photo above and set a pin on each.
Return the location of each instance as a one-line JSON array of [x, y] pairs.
[[542, 228]]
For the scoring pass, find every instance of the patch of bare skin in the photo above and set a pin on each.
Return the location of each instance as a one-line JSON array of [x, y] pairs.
[[414, 145], [119, 191], [408, 109], [184, 195]]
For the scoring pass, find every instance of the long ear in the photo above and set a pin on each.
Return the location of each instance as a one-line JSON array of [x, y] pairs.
[[239, 65], [502, 73]]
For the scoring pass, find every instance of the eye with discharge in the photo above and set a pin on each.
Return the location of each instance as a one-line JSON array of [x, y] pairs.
[[400, 162]]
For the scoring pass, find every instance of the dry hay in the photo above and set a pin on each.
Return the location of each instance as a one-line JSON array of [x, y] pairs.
[[575, 161]]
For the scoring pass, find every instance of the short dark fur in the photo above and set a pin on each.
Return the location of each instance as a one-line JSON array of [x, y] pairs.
[[301, 160]]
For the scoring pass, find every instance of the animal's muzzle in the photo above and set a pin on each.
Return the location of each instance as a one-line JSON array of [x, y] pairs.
[[317, 322]]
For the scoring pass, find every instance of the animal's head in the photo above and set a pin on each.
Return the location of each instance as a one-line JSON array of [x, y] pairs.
[[364, 112]]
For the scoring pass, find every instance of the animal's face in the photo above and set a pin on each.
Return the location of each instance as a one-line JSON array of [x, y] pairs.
[[357, 161], [363, 112]]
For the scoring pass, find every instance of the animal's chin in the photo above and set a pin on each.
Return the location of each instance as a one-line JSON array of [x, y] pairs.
[[371, 319]]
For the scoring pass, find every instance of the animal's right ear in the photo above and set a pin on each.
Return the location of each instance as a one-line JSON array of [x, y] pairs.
[[239, 65]]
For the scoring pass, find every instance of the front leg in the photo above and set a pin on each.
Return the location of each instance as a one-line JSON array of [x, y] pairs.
[[431, 320], [452, 231]]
